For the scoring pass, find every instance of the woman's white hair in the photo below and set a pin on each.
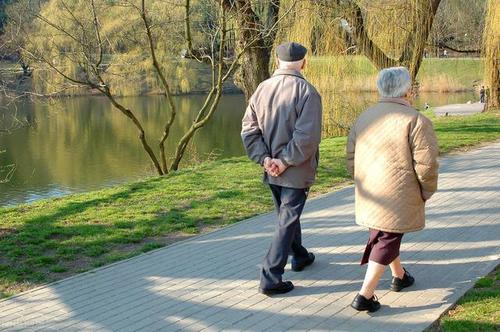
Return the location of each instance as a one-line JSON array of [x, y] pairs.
[[393, 82], [296, 65]]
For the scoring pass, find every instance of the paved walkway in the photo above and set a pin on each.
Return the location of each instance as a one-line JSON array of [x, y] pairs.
[[459, 109], [209, 282]]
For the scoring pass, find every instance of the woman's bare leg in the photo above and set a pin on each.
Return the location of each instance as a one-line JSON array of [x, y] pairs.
[[397, 269], [372, 277]]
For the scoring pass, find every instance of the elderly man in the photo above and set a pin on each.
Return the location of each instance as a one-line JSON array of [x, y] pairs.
[[281, 131], [392, 154]]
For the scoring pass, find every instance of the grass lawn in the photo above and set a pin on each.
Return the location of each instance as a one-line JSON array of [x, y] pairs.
[[459, 133], [450, 74], [55, 238], [477, 310], [356, 73]]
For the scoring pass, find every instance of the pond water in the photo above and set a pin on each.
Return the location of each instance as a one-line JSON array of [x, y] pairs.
[[81, 143]]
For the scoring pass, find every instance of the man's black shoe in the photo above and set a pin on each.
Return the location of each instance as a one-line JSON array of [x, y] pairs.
[[361, 303], [281, 288], [300, 264], [398, 284]]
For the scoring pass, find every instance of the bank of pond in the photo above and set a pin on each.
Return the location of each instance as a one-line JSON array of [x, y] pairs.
[[77, 144]]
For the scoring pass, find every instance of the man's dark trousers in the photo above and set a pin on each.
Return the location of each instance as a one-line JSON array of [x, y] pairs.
[[287, 236]]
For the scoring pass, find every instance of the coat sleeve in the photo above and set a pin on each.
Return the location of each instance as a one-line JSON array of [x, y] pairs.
[[251, 136], [425, 151], [307, 133], [351, 147]]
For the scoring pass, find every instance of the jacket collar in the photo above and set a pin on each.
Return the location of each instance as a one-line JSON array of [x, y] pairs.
[[290, 72], [401, 101]]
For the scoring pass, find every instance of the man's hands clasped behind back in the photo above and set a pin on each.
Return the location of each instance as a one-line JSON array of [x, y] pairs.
[[274, 167]]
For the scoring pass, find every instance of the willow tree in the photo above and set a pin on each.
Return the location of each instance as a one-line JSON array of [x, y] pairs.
[[387, 33], [422, 13], [491, 38], [356, 38], [86, 45]]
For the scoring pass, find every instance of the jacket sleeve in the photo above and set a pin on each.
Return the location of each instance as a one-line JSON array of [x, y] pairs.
[[307, 133], [251, 136], [351, 147], [425, 151]]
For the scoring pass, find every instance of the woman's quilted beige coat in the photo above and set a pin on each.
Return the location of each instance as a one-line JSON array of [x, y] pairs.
[[392, 154]]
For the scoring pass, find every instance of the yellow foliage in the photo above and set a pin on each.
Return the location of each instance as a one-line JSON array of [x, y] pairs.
[[65, 34]]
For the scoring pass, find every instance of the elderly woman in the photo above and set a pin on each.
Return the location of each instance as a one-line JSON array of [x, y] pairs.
[[392, 155]]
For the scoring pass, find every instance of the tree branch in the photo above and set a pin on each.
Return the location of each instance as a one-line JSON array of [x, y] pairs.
[[365, 45], [451, 48], [98, 36], [166, 86], [411, 56]]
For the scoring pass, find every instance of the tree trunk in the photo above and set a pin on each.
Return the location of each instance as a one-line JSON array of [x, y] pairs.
[[254, 63], [254, 68], [417, 40], [364, 44], [415, 44], [491, 54], [138, 125]]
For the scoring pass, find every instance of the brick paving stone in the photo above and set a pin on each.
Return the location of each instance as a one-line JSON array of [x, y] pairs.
[[209, 283]]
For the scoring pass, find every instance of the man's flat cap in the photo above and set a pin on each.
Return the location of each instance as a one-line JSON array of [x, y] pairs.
[[291, 51]]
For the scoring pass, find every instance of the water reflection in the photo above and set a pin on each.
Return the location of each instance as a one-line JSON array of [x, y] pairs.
[[81, 143]]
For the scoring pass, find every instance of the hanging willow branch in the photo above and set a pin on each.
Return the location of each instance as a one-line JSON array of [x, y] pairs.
[[364, 43], [424, 12]]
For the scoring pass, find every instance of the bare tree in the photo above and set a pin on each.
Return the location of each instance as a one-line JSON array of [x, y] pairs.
[[251, 51], [90, 62], [458, 26], [255, 23]]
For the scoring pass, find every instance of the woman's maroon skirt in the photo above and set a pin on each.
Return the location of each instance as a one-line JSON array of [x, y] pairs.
[[382, 247]]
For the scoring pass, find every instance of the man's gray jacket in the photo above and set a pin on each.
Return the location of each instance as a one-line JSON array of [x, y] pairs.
[[283, 120]]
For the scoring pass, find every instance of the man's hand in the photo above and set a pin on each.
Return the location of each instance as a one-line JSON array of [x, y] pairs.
[[274, 167], [281, 166], [270, 167]]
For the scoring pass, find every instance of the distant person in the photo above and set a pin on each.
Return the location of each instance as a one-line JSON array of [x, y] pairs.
[[392, 155], [281, 131], [445, 54], [482, 95]]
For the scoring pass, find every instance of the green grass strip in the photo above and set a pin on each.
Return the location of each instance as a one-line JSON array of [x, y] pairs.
[[55, 238], [477, 310]]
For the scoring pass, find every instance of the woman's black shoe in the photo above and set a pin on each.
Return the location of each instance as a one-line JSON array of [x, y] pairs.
[[281, 288], [299, 265], [361, 303], [398, 284]]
